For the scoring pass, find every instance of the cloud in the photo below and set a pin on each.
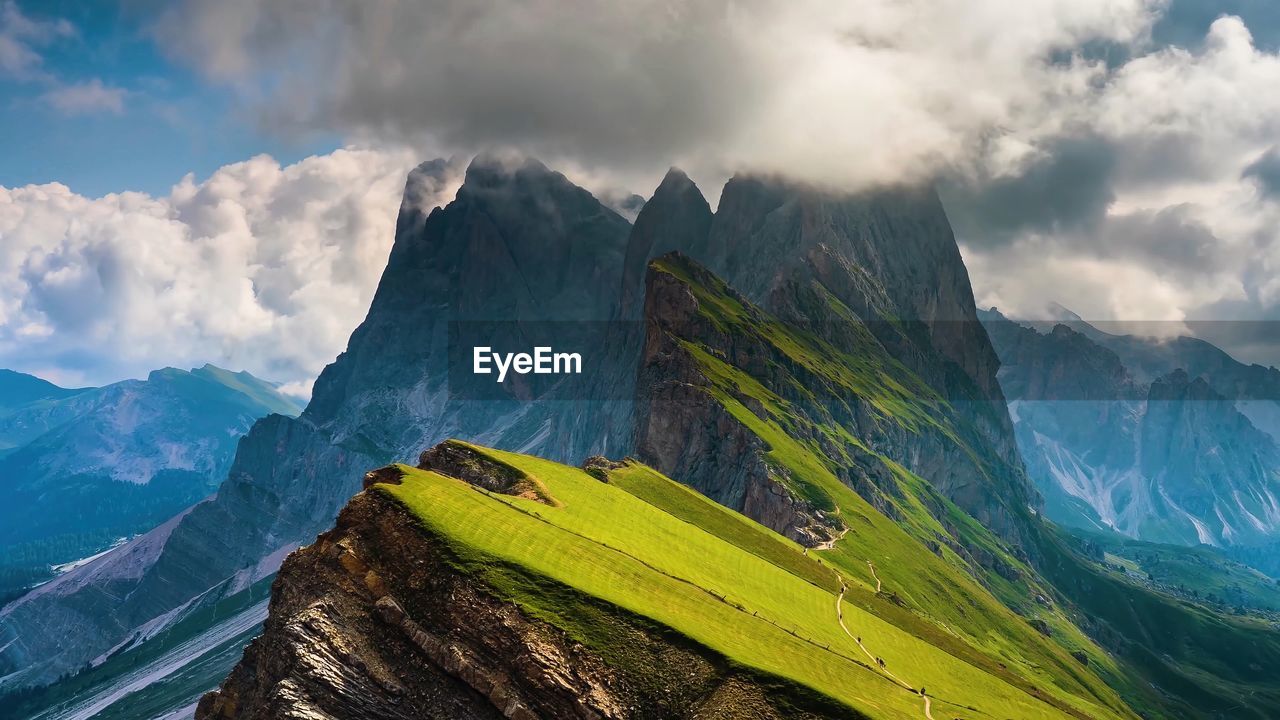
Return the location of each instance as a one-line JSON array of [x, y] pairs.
[[260, 267], [1066, 188], [1265, 171], [86, 98], [20, 38], [1114, 289], [873, 91], [1158, 203]]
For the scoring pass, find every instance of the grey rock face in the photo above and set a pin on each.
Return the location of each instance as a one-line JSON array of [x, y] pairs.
[[891, 258], [685, 432], [677, 217]]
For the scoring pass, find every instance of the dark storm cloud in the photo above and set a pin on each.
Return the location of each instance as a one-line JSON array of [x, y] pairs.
[[1067, 190], [849, 94], [1170, 240]]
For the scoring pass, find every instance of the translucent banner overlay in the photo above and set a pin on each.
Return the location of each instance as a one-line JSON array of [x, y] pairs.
[[1073, 360]]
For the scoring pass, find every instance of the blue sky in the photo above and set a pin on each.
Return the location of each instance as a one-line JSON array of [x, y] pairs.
[[153, 122]]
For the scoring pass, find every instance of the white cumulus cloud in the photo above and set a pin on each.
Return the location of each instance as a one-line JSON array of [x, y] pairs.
[[260, 267]]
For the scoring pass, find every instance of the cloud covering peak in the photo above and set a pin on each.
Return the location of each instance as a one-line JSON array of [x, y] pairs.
[[848, 93]]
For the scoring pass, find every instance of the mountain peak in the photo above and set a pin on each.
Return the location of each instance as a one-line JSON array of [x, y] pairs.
[[677, 217], [1062, 313], [675, 180], [489, 169], [17, 389]]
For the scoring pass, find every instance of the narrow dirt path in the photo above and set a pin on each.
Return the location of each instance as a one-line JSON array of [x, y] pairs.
[[874, 575], [832, 542], [844, 587]]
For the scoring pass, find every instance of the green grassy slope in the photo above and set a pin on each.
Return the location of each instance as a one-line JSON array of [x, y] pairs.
[[1194, 662], [1201, 574], [930, 589], [651, 547], [1165, 657]]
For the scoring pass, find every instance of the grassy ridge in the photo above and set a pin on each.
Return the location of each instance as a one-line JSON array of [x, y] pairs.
[[933, 591], [1167, 657], [712, 576]]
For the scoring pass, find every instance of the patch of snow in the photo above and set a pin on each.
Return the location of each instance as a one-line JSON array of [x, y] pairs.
[[68, 567], [1095, 486], [1254, 520], [1013, 410], [1228, 532]]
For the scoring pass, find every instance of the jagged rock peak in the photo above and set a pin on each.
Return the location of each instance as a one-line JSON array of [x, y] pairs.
[[1179, 385], [675, 181], [677, 217]]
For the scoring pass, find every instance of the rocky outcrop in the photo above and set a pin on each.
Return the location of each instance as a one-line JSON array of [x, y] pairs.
[[890, 258], [683, 431], [459, 460], [376, 621], [676, 218]]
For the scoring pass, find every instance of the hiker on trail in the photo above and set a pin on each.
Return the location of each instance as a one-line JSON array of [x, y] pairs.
[[881, 661], [859, 639], [921, 691]]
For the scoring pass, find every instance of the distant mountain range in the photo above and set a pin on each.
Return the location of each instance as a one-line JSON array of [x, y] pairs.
[[1164, 440], [82, 469]]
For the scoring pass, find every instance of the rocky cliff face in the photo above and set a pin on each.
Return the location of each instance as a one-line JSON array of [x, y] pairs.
[[820, 383], [1116, 436], [682, 430], [890, 262], [376, 620]]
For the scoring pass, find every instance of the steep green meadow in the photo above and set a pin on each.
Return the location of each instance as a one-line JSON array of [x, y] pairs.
[[649, 546], [946, 577]]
